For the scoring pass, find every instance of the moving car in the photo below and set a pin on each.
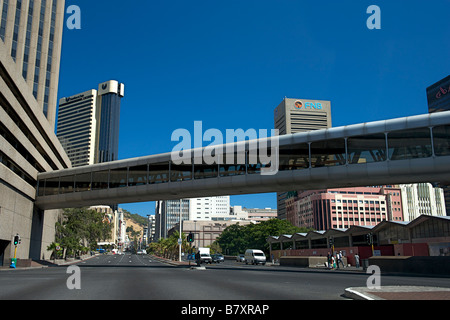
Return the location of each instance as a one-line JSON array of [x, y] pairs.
[[240, 258], [217, 258], [255, 256]]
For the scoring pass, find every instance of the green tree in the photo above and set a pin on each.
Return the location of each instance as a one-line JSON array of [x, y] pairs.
[[81, 229], [235, 239]]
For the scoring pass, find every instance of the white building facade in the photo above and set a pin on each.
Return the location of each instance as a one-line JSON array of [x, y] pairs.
[[422, 198], [209, 208]]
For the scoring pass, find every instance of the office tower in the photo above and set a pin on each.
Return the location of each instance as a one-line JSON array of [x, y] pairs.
[[438, 96], [30, 33], [88, 124], [167, 213], [77, 127], [422, 198], [209, 208], [299, 115], [344, 207], [110, 94]]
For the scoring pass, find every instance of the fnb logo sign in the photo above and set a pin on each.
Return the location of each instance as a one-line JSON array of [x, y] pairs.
[[307, 105]]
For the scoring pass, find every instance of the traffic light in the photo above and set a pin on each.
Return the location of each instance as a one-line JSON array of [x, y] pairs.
[[369, 238], [16, 240], [190, 237]]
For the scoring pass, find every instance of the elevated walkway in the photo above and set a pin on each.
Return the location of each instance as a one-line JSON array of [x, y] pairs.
[[404, 150]]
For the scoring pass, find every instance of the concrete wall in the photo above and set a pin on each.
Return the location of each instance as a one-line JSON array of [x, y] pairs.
[[15, 217], [414, 265], [306, 262]]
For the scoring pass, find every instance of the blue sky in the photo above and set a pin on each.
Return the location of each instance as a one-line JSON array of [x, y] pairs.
[[229, 64]]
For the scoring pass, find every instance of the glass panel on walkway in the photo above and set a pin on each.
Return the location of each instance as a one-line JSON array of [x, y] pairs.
[[158, 173], [234, 165], [137, 175], [328, 153], [83, 182], [367, 149], [203, 170], [180, 172], [441, 140], [66, 184], [409, 144], [118, 178], [294, 157], [100, 180]]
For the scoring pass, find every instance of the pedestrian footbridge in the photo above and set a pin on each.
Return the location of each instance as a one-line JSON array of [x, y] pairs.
[[404, 150]]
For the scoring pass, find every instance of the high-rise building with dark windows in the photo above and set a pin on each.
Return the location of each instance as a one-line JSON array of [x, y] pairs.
[[31, 31], [110, 94], [88, 124], [438, 96]]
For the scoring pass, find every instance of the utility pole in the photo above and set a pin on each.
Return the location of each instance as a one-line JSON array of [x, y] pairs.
[[180, 240]]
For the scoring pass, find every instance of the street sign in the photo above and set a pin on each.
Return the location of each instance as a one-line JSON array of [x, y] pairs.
[[180, 241]]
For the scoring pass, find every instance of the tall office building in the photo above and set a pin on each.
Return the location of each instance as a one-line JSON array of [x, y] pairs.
[[77, 127], [167, 212], [30, 48], [110, 94], [422, 198], [209, 208], [88, 124], [438, 96], [299, 115], [31, 31]]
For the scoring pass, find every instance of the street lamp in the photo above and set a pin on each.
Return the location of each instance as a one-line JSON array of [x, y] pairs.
[[180, 240]]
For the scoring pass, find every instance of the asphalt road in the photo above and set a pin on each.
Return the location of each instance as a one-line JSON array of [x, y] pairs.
[[139, 277]]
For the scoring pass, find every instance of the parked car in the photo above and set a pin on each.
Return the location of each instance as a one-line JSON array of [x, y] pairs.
[[217, 258], [240, 258]]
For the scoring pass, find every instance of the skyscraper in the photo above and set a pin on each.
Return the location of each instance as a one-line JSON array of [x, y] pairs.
[[30, 48], [299, 115], [31, 31], [77, 127], [88, 124], [110, 94], [438, 96]]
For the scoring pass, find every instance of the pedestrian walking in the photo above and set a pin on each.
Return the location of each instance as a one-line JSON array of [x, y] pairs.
[[197, 258], [357, 260], [329, 262], [339, 259]]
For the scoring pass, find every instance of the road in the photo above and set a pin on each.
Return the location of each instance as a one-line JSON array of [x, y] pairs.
[[139, 277]]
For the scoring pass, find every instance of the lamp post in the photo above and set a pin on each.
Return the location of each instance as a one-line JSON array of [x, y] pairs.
[[180, 240]]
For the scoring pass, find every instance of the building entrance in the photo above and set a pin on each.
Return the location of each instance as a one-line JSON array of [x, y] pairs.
[[3, 245]]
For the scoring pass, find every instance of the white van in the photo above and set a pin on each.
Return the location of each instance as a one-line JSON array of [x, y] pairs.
[[255, 256]]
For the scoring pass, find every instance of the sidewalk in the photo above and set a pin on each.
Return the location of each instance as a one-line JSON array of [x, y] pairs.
[[37, 264]]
